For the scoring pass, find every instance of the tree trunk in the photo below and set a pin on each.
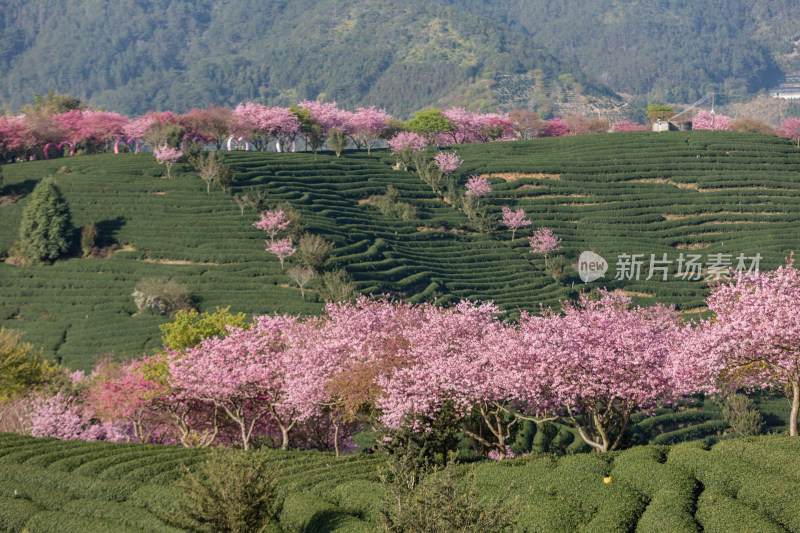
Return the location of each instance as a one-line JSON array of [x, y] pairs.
[[336, 438], [795, 408]]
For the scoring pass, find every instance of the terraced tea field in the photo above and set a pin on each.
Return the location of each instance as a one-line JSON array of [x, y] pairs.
[[690, 193], [738, 485]]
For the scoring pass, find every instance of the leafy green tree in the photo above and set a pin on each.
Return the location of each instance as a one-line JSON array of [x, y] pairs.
[[21, 367], [54, 102], [429, 123], [46, 228], [191, 327], [659, 112]]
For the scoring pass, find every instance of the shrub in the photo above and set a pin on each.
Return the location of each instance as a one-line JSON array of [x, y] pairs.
[[556, 267], [752, 125], [390, 206], [439, 502], [161, 296], [314, 251], [233, 491], [46, 226], [210, 167], [741, 414], [335, 286], [337, 140], [88, 240]]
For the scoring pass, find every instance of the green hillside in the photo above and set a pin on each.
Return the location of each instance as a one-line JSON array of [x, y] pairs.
[[177, 54], [700, 193], [739, 485]]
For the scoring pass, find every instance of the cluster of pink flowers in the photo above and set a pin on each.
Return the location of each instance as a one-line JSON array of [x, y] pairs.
[[478, 187], [447, 162]]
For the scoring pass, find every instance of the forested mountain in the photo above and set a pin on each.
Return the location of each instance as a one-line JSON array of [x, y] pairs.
[[669, 50], [178, 54], [402, 55]]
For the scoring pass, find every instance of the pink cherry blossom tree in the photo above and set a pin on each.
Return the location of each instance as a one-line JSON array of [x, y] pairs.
[[478, 187], [125, 397], [135, 130], [404, 145], [753, 339], [243, 375], [273, 222], [605, 360], [556, 128], [282, 248], [367, 125], [790, 128], [514, 220], [704, 120], [262, 124], [62, 417], [165, 155], [16, 136], [543, 241], [407, 140], [447, 162]]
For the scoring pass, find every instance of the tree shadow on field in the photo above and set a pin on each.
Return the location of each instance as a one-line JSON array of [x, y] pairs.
[[18, 190], [327, 521], [107, 229]]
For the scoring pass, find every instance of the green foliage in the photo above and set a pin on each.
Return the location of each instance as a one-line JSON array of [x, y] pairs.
[[389, 205], [88, 239], [556, 267], [21, 368], [335, 286], [232, 492], [429, 123], [190, 327], [439, 502], [161, 296], [659, 112], [54, 102], [741, 413], [428, 171], [211, 168], [337, 140], [170, 134], [313, 251], [46, 225]]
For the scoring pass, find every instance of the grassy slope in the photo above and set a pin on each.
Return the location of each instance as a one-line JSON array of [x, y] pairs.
[[695, 192], [739, 485]]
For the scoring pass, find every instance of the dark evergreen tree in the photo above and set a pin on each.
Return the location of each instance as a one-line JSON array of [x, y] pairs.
[[46, 226]]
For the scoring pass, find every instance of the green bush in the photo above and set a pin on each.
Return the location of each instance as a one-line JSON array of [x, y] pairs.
[[741, 414], [232, 492]]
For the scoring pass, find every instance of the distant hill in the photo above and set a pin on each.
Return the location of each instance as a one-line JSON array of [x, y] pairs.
[[178, 54], [668, 50]]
